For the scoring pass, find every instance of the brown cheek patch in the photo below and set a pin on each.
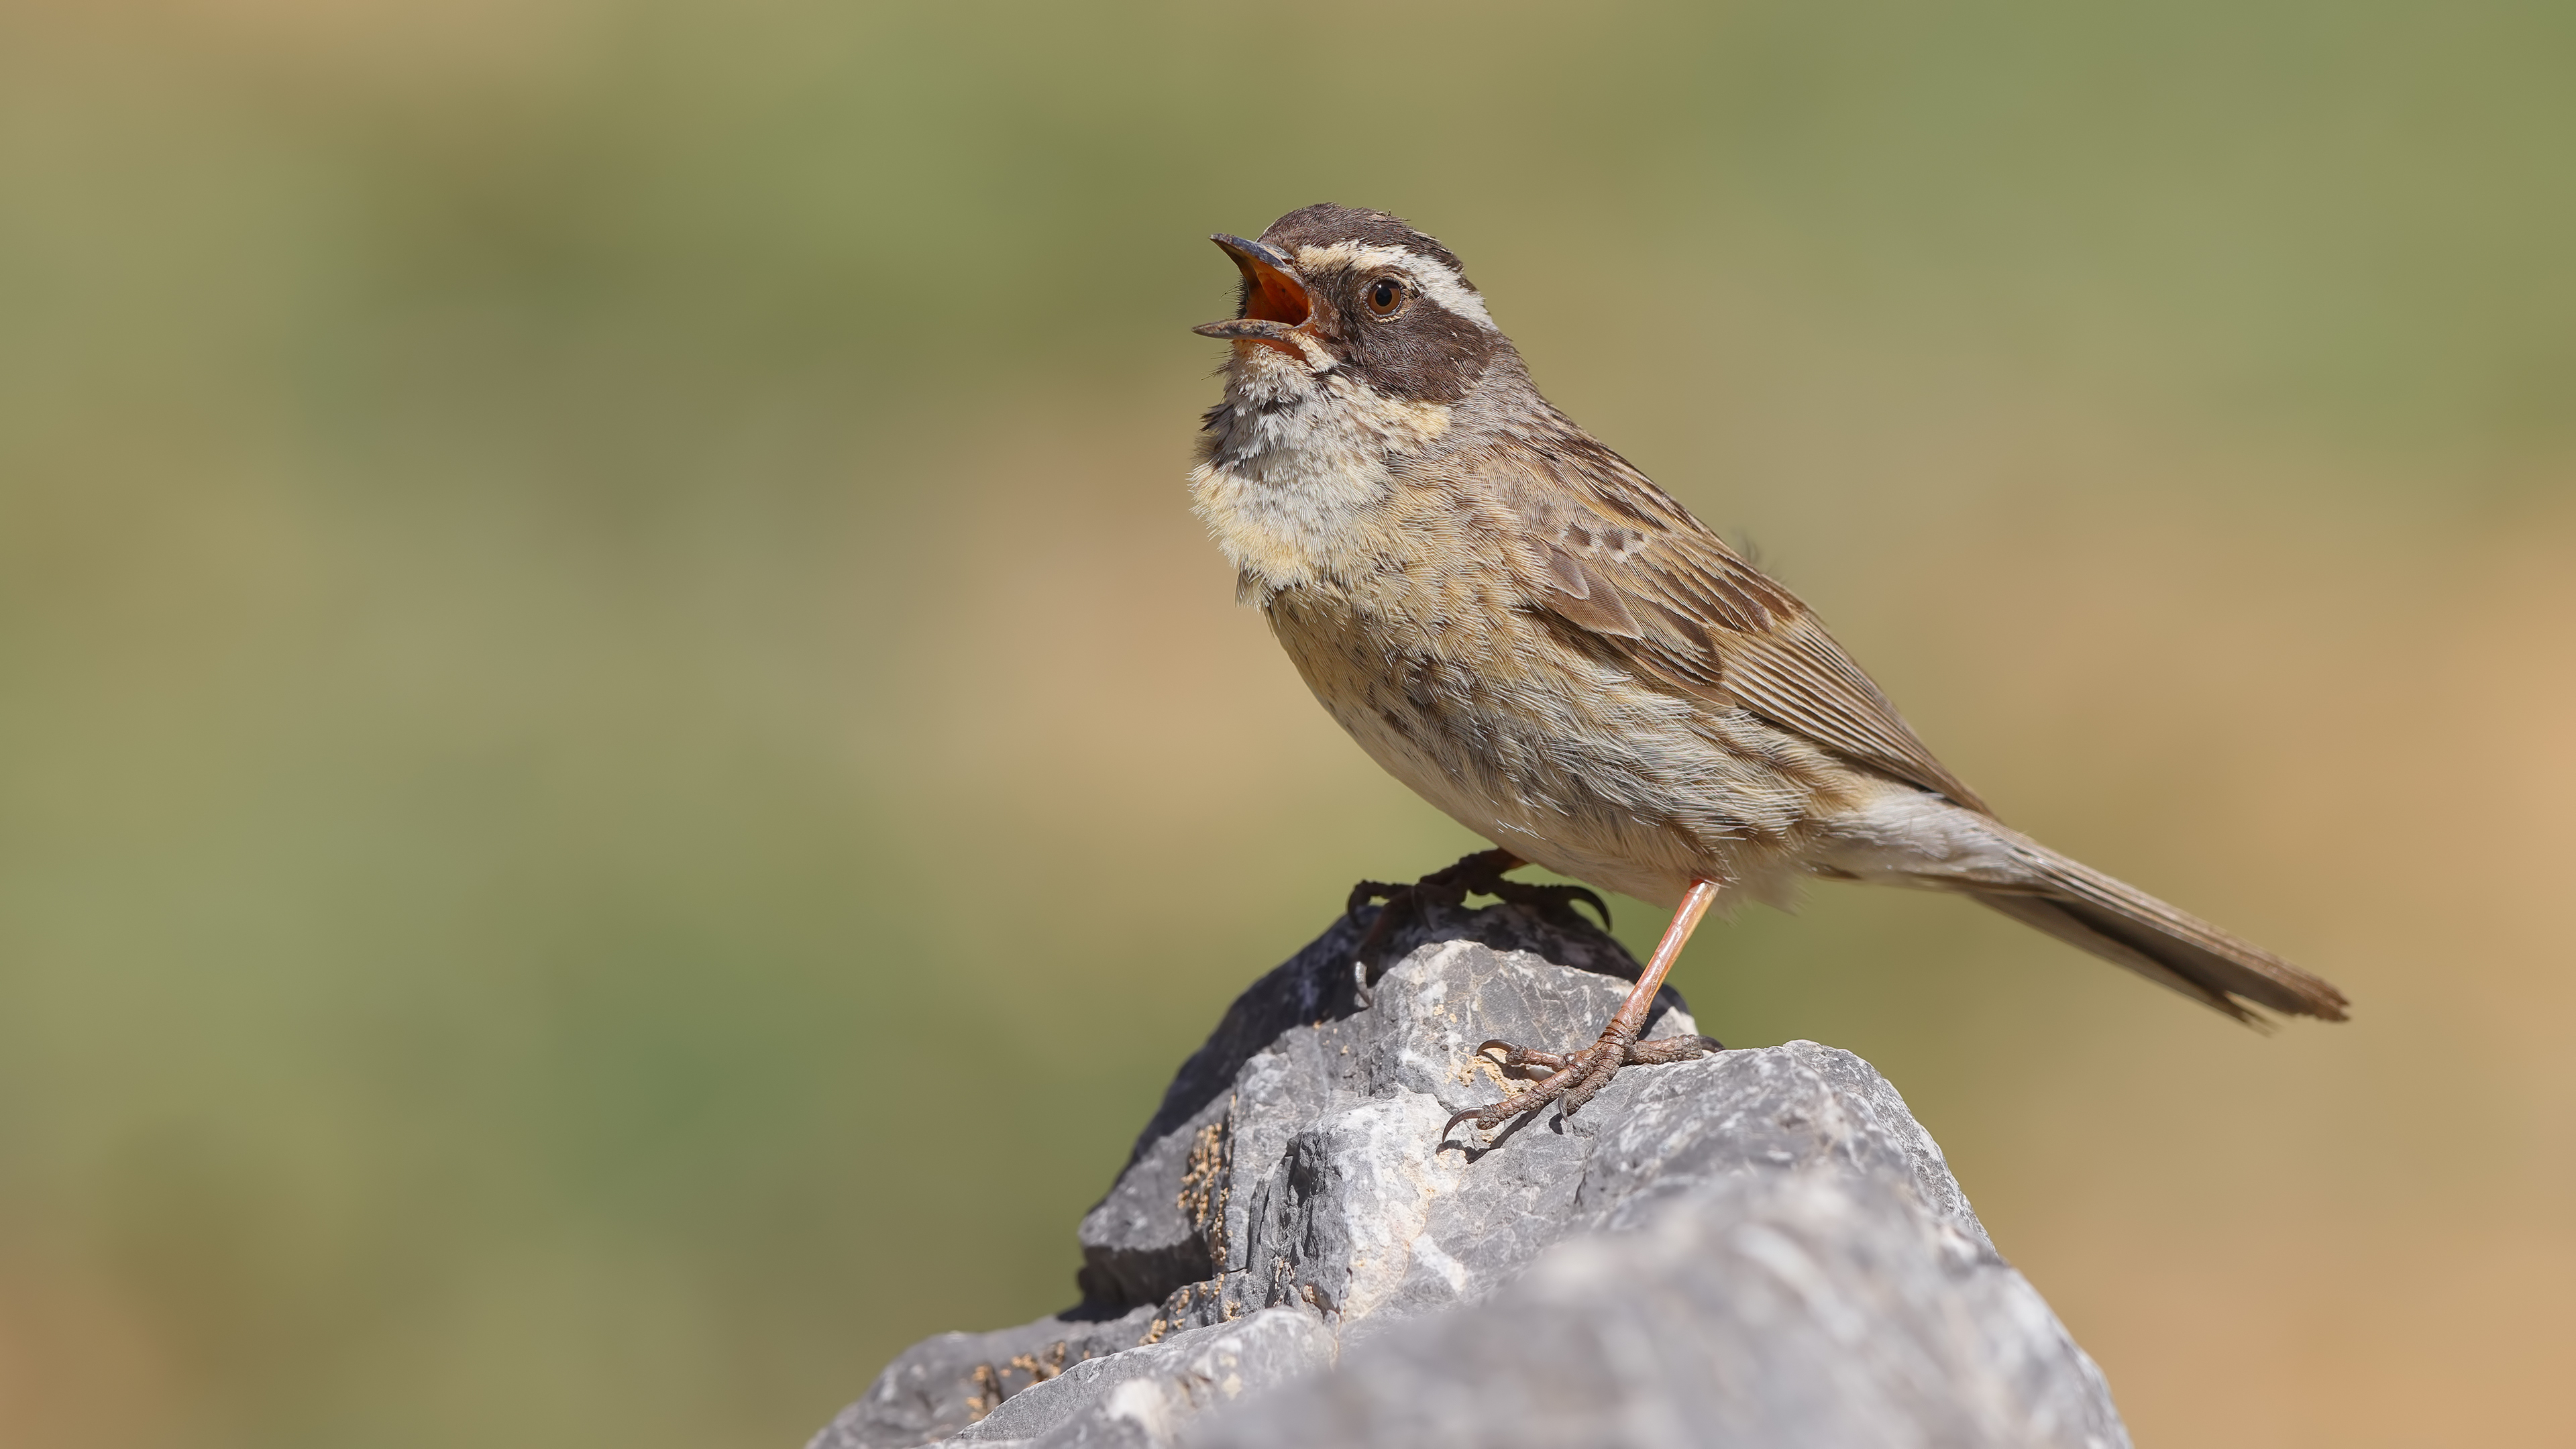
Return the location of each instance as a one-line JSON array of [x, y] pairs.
[[1427, 354]]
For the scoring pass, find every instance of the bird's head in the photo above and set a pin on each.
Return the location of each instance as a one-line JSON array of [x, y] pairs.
[[1335, 291]]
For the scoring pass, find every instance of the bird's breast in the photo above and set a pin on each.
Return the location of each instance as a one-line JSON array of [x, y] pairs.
[[1301, 487]]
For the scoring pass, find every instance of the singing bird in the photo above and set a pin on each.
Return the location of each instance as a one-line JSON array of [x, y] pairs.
[[1517, 624]]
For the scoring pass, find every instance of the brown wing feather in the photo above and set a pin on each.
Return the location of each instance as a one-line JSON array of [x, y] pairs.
[[1627, 563]]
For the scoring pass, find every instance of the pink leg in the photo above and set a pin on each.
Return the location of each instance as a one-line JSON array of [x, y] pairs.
[[1575, 1077]]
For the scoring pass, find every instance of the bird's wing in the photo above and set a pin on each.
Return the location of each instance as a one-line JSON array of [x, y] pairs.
[[1618, 558]]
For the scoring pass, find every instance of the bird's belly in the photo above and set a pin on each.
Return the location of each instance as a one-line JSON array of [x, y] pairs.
[[1593, 775], [1570, 842]]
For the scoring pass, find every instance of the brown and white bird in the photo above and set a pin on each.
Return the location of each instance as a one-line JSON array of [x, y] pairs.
[[1517, 624]]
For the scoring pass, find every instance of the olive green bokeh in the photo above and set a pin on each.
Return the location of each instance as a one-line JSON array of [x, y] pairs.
[[622, 774]]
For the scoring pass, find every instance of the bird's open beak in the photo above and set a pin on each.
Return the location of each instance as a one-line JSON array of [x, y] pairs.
[[1274, 301]]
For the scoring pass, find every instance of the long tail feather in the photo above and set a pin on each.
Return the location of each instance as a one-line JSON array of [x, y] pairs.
[[2122, 924]]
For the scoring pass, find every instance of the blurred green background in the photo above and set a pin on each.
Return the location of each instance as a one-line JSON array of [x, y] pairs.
[[622, 772]]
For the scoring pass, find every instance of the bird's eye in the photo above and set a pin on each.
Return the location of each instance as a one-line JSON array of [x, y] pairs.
[[1385, 297]]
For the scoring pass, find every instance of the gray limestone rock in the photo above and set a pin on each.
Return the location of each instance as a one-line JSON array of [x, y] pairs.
[[1754, 1248]]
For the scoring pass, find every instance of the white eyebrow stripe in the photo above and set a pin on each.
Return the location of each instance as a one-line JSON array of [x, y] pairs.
[[1436, 280]]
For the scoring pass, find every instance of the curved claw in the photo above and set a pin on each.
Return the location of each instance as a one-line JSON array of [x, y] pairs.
[[1457, 1117], [1517, 1057], [1494, 1114]]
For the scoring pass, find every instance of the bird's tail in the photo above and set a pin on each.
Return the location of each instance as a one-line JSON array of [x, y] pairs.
[[2120, 923]]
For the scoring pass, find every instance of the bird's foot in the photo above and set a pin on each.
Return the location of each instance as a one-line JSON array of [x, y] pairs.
[[1480, 874], [1573, 1078]]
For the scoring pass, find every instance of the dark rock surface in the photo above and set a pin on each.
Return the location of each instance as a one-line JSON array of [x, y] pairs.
[[1757, 1248]]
